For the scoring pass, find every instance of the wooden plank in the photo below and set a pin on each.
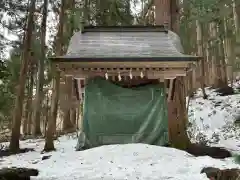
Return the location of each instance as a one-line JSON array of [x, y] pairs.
[[170, 90], [122, 71]]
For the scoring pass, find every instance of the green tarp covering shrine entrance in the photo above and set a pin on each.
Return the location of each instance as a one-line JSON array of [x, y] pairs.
[[116, 115]]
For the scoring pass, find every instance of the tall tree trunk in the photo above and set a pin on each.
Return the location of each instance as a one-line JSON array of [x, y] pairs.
[[49, 144], [162, 11], [229, 48], [224, 79], [27, 123], [212, 56], [215, 56], [27, 107], [236, 15], [25, 120], [200, 53], [45, 113], [17, 114], [68, 94], [174, 15], [208, 75], [30, 102], [40, 81]]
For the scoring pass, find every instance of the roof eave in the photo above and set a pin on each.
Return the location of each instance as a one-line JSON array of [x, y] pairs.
[[132, 28], [124, 59]]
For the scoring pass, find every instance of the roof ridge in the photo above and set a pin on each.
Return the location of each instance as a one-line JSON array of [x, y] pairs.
[[133, 28]]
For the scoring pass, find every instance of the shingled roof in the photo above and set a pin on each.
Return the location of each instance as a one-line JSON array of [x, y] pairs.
[[133, 43]]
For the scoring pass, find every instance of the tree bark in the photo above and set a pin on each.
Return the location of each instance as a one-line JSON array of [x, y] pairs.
[[40, 81], [30, 103], [68, 94], [17, 113], [224, 79], [49, 144], [162, 11], [175, 16], [25, 119], [233, 44], [200, 53], [215, 61], [207, 55], [236, 13], [26, 123], [229, 49]]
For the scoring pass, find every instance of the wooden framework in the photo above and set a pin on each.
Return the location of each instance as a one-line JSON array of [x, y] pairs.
[[167, 64], [171, 73], [163, 71], [150, 70]]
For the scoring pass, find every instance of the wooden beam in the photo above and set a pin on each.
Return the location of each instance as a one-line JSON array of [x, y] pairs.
[[167, 91], [146, 64], [167, 74], [115, 71]]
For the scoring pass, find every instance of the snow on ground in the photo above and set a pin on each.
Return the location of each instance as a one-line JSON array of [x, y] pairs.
[[211, 122], [113, 162]]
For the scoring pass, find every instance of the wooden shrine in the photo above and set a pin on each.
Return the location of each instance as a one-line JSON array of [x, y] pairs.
[[133, 53]]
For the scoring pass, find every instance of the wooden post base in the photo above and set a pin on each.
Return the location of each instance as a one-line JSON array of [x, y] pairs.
[[177, 115]]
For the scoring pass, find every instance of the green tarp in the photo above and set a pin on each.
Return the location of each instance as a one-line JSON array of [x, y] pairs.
[[116, 115]]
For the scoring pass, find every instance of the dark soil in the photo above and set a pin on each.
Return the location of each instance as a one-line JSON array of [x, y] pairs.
[[46, 157], [7, 152], [203, 150], [225, 91], [17, 173], [217, 174]]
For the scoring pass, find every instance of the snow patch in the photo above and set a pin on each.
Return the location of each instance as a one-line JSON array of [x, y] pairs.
[[119, 162]]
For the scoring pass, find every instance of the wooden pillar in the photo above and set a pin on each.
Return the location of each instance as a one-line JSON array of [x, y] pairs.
[[68, 97], [177, 115]]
